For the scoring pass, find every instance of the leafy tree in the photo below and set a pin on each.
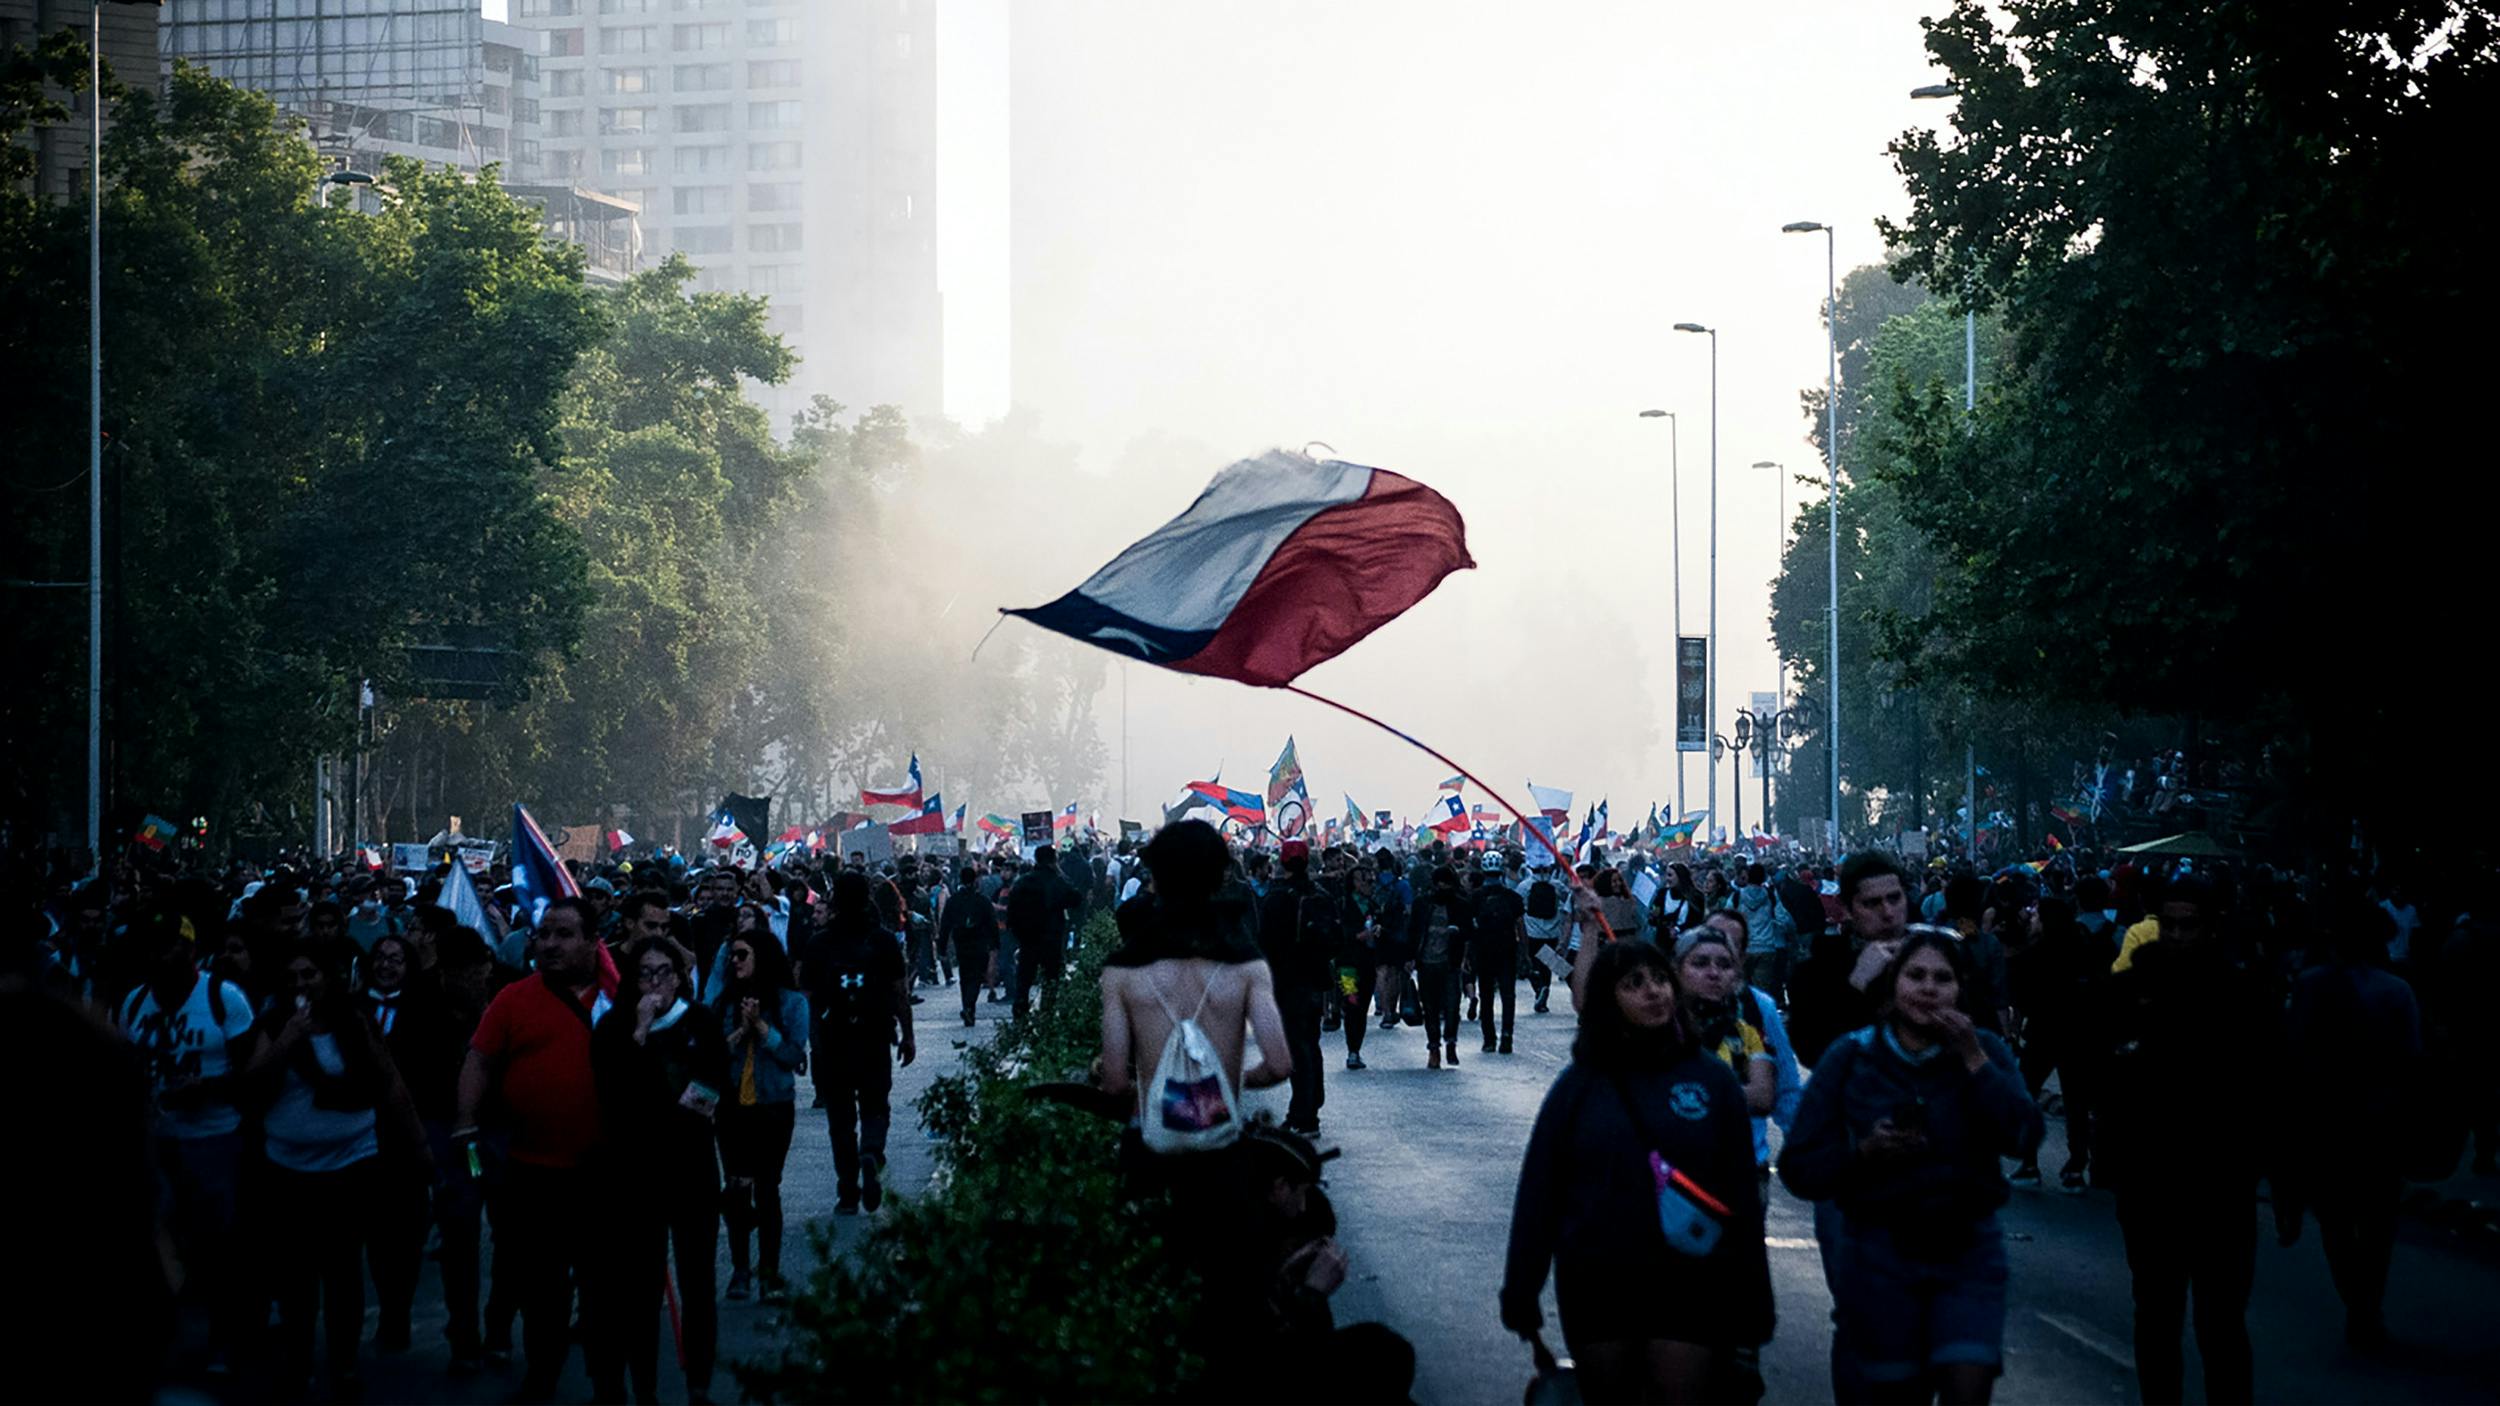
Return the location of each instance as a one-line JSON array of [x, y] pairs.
[[327, 435], [2217, 468]]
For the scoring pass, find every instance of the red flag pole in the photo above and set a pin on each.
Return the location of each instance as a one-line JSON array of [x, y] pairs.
[[1436, 753]]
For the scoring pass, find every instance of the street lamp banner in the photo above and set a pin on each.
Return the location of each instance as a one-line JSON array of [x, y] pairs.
[[1692, 688]]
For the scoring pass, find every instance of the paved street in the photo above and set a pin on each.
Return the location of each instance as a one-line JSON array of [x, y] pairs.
[[1423, 1192]]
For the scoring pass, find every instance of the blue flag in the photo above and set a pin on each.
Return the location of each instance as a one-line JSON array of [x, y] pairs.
[[538, 876]]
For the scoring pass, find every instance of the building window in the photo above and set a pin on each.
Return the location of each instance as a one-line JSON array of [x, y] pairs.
[[625, 80], [544, 9], [700, 36], [498, 59], [773, 73], [490, 141], [435, 132], [564, 163], [565, 122], [634, 195], [703, 117], [701, 239], [625, 161], [702, 4], [772, 31], [771, 278], [565, 83], [773, 239], [701, 200], [709, 279], [766, 116], [564, 43], [773, 156], [525, 112], [494, 98], [629, 39], [626, 121], [778, 196], [702, 161], [627, 7], [700, 77]]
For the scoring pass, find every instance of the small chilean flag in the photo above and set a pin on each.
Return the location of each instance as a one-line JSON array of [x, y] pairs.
[[1452, 816], [930, 821], [1066, 819], [905, 796], [1283, 562]]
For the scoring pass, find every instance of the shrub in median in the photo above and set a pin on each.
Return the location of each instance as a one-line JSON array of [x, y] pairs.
[[1022, 1273]]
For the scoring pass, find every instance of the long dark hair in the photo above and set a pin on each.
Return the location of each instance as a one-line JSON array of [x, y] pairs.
[[1607, 1041], [772, 975]]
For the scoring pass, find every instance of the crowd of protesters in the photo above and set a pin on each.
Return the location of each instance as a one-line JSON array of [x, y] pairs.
[[327, 1078]]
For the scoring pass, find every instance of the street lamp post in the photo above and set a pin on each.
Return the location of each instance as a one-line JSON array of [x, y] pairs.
[[1768, 734], [1779, 546], [1831, 464], [1711, 674], [1675, 554], [95, 436]]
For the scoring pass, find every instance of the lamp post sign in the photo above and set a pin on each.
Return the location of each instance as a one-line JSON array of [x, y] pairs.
[[1692, 690]]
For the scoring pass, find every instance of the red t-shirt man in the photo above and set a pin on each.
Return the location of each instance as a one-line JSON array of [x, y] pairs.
[[538, 1038]]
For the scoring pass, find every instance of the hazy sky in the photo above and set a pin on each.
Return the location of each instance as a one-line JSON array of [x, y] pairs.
[[1446, 238], [1449, 239]]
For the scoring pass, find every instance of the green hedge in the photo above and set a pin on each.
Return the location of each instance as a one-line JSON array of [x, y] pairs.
[[1022, 1274]]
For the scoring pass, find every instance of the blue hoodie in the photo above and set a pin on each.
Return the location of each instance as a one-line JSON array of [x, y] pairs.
[[1970, 1120]]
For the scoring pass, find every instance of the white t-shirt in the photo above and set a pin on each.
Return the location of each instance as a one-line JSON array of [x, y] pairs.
[[192, 1043]]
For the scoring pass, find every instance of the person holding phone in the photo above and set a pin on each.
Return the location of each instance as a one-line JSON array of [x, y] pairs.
[[660, 1063], [1901, 1129]]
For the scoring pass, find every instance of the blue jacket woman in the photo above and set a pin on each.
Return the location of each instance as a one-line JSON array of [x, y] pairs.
[[1902, 1128]]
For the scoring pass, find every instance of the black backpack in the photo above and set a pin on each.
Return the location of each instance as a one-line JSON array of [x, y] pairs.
[[1544, 902]]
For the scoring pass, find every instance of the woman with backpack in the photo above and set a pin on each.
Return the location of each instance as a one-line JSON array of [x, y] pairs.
[[764, 1020], [1637, 1192], [1902, 1128]]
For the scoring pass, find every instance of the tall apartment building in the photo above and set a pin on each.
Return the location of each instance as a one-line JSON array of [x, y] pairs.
[[129, 45], [430, 79], [787, 148]]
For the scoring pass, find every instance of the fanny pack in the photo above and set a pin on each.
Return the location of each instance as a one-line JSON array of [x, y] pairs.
[[1691, 1218]]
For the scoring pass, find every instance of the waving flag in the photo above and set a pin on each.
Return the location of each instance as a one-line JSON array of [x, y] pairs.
[[1455, 783], [538, 877], [458, 895], [901, 796], [1237, 805], [1355, 823], [1681, 833], [617, 840], [930, 821], [154, 832], [725, 833], [1284, 778], [955, 823], [1487, 818], [1283, 562], [1551, 802], [997, 825], [1449, 816], [1066, 819]]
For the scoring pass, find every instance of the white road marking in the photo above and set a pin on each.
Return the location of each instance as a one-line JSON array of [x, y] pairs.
[[2104, 1346], [1788, 1242]]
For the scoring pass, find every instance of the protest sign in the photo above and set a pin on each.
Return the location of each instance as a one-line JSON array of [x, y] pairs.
[[411, 859], [1036, 828]]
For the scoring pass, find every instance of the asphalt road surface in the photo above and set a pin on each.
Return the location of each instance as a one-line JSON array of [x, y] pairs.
[[1423, 1194]]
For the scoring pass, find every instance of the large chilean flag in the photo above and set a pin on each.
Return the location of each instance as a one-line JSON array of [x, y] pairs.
[[1283, 562]]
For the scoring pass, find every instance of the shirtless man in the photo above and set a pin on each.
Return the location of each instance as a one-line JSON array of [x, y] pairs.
[[1195, 940]]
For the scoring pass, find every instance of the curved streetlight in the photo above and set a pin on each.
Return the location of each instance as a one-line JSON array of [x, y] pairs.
[[1675, 554], [1831, 464], [1710, 674]]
